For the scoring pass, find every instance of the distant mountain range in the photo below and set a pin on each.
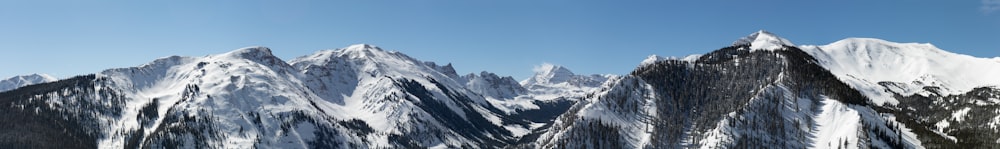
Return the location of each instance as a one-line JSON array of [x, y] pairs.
[[25, 80], [762, 91]]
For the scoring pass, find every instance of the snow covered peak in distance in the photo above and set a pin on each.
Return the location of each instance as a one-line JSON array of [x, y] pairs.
[[549, 74], [651, 59], [866, 62], [252, 51], [361, 50], [491, 85], [24, 80], [763, 40], [553, 81], [372, 59]]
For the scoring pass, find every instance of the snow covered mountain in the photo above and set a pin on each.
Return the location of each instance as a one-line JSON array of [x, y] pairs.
[[491, 85], [765, 92], [864, 62], [24, 80], [356, 97], [760, 92], [553, 81], [763, 40], [950, 100]]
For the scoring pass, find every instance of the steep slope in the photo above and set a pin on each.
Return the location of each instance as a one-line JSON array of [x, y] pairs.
[[239, 99], [617, 116], [949, 99], [865, 62], [737, 96], [243, 98], [493, 86], [355, 97], [763, 40], [24, 80], [30, 123], [406, 102], [760, 92]]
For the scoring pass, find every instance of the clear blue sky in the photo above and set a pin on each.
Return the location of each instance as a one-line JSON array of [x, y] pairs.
[[67, 38]]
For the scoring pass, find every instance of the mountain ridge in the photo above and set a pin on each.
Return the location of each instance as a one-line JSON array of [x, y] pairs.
[[24, 80], [762, 91]]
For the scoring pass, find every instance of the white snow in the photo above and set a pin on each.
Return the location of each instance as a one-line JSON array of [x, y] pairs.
[[517, 130], [716, 137], [655, 58], [357, 82], [941, 125], [836, 123], [651, 59], [960, 114], [995, 122], [371, 73], [635, 126], [496, 120], [439, 146], [908, 135], [763, 40], [994, 100], [536, 125], [493, 86], [549, 74], [863, 62], [691, 58], [552, 81], [510, 106], [24, 80]]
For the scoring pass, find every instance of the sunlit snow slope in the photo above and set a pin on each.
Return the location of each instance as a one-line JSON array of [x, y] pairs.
[[762, 92], [930, 90], [24, 80], [356, 97]]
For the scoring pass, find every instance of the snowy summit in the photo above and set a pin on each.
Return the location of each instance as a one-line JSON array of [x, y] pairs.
[[549, 73], [24, 80], [651, 59], [763, 40]]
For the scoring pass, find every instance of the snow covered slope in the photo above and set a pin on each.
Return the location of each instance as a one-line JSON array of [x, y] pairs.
[[763, 40], [407, 102], [355, 97], [761, 92], [491, 85], [865, 62], [729, 98], [617, 116], [928, 89], [553, 81], [24, 80]]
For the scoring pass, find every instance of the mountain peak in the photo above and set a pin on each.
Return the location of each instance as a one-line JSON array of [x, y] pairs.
[[651, 59], [555, 70], [24, 80], [362, 47], [252, 52], [549, 73], [35, 77], [360, 50], [763, 40], [45, 77]]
